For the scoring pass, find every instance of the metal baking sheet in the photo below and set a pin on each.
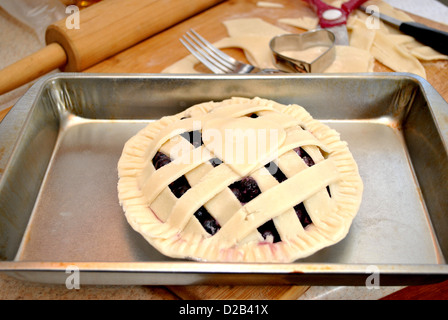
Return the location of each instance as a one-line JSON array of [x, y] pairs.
[[61, 143]]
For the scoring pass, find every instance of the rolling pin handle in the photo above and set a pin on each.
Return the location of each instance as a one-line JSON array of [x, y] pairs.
[[32, 67]]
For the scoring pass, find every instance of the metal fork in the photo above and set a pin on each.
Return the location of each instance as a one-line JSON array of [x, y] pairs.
[[216, 60]]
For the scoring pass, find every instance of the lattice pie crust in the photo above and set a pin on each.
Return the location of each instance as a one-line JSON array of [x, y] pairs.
[[194, 187]]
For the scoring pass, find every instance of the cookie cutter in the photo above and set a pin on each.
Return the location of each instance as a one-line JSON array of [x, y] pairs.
[[299, 42]]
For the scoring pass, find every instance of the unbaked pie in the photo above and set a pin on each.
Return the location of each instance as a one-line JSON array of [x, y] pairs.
[[242, 179]]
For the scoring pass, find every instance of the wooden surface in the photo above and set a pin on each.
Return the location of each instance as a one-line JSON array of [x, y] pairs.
[[163, 49], [3, 113], [35, 65], [238, 292], [437, 291]]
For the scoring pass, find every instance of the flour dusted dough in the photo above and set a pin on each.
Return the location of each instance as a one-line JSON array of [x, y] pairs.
[[254, 48], [424, 53], [351, 59], [369, 40], [361, 37], [306, 22], [266, 4], [251, 27], [388, 45], [395, 56], [185, 65], [253, 36]]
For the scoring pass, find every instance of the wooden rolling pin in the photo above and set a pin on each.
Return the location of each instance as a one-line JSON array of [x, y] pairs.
[[106, 28]]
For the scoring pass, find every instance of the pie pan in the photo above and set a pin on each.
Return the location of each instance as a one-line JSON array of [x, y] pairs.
[[58, 180]]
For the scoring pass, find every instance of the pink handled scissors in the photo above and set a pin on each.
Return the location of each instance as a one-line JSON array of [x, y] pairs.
[[335, 19]]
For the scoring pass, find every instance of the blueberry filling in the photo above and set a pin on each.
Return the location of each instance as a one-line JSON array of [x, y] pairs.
[[207, 221], [179, 187], [160, 159], [268, 229], [305, 156], [253, 115], [302, 214], [245, 189]]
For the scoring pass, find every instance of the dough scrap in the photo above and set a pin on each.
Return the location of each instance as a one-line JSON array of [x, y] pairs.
[[388, 45], [351, 60], [360, 36], [394, 56], [253, 46], [251, 27], [306, 22], [266, 4], [185, 65]]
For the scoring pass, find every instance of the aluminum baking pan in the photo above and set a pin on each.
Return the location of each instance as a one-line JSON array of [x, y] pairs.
[[61, 142]]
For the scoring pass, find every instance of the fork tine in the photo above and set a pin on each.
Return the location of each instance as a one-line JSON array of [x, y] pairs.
[[205, 58], [212, 50], [201, 58], [216, 60], [207, 54]]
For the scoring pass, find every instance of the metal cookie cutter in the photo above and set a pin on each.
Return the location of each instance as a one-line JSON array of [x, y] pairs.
[[299, 42]]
